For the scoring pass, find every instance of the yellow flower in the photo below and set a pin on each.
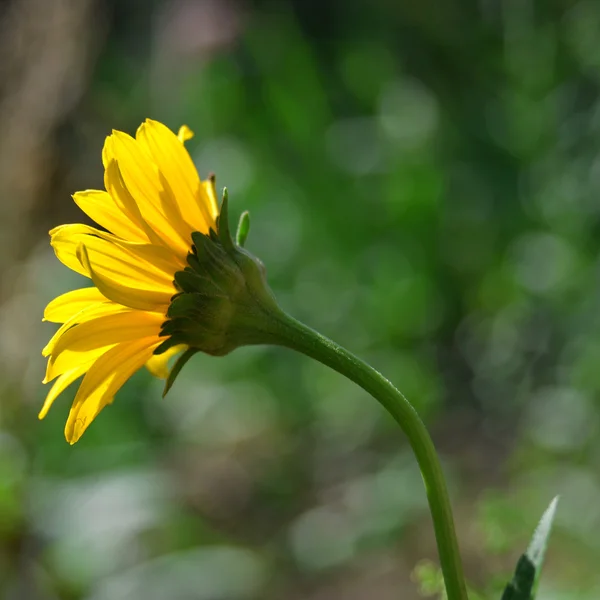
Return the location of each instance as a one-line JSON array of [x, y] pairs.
[[153, 203]]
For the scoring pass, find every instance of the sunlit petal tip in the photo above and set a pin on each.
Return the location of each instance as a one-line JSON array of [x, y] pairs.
[[185, 133], [158, 128], [82, 194], [121, 136], [75, 428], [157, 125], [44, 410], [73, 431], [107, 153], [139, 131]]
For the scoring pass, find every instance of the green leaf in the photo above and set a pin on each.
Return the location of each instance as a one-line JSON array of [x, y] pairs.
[[539, 542], [527, 572], [521, 586]]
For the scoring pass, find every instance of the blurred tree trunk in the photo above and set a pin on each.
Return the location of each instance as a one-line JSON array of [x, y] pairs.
[[44, 61], [44, 50]]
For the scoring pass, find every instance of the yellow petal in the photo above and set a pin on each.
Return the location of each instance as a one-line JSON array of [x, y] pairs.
[[127, 263], [60, 385], [63, 307], [176, 166], [211, 193], [102, 209], [73, 360], [145, 299], [151, 192], [158, 364], [88, 340], [184, 134], [103, 380], [157, 256], [91, 311], [108, 154], [115, 186]]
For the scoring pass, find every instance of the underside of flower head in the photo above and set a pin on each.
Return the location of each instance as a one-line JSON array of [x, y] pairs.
[[154, 202], [223, 300]]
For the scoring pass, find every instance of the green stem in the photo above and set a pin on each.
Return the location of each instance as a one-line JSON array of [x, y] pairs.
[[291, 333]]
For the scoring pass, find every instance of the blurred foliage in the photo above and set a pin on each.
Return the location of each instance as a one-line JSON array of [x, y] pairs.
[[423, 180]]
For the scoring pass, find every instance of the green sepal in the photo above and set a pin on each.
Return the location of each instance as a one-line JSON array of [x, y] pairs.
[[209, 252], [179, 364], [185, 280], [192, 259], [174, 340], [243, 229], [182, 306], [223, 223], [199, 240], [172, 326]]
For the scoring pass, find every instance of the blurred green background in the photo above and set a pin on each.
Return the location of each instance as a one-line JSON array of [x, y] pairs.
[[423, 180]]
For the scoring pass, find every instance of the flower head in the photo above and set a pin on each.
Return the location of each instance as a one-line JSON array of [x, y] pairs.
[[166, 275]]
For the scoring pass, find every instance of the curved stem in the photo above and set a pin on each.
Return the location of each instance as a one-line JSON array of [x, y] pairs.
[[295, 335]]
